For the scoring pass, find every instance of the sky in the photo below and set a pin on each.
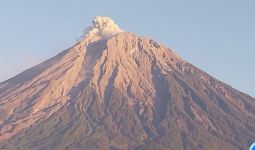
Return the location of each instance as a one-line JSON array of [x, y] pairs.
[[217, 36]]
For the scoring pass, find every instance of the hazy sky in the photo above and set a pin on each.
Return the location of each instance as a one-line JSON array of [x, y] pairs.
[[217, 36]]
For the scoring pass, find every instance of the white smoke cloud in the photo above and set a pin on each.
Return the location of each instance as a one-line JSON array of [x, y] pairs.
[[103, 27]]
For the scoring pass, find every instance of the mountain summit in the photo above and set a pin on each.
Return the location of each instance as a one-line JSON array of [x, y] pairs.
[[114, 90]]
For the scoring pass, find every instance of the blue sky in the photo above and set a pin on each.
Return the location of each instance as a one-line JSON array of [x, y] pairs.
[[217, 36]]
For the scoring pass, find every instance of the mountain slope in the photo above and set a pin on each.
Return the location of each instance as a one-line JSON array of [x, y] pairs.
[[115, 90]]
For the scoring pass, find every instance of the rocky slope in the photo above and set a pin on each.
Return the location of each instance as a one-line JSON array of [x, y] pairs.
[[115, 90]]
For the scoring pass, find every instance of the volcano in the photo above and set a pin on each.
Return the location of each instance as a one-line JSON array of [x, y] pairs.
[[114, 90]]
